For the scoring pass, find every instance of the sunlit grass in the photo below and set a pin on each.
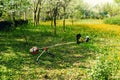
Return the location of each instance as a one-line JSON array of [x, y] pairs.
[[71, 62]]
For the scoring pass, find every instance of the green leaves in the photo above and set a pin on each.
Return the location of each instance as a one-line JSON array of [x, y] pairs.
[[117, 1], [106, 67], [14, 6]]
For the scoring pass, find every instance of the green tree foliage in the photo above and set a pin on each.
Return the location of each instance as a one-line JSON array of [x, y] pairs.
[[14, 8], [37, 6], [81, 10], [1, 8], [111, 9], [114, 11], [55, 9], [117, 1]]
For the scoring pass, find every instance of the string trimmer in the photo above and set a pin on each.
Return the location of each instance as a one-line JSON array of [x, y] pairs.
[[35, 50]]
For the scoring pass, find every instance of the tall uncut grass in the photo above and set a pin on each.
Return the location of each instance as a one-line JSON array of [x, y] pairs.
[[106, 67], [113, 20]]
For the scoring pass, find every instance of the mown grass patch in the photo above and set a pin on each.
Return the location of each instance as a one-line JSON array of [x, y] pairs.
[[71, 62]]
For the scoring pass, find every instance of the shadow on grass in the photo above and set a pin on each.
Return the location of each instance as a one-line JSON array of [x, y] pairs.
[[16, 60], [67, 56]]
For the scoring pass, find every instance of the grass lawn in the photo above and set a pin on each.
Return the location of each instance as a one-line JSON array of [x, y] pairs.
[[71, 62]]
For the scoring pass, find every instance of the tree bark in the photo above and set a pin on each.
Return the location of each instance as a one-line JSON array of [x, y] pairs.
[[35, 12], [24, 15], [38, 16], [13, 18], [55, 25], [51, 21], [64, 8], [54, 18], [72, 20]]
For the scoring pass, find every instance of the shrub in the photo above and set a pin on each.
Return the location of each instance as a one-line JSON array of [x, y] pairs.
[[20, 22], [106, 67], [7, 25], [113, 20]]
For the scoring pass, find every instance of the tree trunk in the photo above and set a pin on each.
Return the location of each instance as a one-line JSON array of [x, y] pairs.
[[35, 12], [64, 24], [64, 18], [54, 18], [19, 15], [72, 20], [55, 25], [51, 21], [24, 15], [38, 16], [34, 18], [39, 11], [13, 18]]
